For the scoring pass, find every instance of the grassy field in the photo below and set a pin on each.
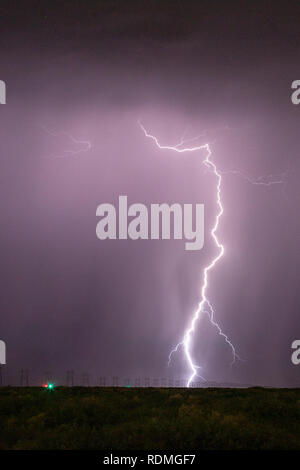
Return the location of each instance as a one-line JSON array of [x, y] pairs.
[[149, 418]]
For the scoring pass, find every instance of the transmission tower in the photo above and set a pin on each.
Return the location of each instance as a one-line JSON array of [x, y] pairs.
[[85, 380], [137, 382], [115, 381], [70, 378], [147, 382], [102, 381], [24, 378]]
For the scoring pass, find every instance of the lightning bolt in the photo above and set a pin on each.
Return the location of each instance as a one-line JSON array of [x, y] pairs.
[[205, 306], [268, 180], [65, 153]]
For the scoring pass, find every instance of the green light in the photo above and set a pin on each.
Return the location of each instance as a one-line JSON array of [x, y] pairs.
[[50, 386]]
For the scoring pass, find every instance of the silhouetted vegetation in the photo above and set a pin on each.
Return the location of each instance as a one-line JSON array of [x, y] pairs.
[[149, 418]]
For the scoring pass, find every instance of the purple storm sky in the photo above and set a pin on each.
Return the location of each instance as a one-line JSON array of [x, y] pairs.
[[71, 301]]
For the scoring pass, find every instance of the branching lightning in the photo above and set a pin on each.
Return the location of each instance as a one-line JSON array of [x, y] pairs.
[[205, 306], [268, 180], [85, 144]]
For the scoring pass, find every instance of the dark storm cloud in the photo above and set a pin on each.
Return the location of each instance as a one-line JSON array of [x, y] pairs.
[[71, 301]]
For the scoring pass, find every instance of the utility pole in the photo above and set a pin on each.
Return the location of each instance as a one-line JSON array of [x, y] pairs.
[[115, 381], [102, 381], [85, 380], [163, 382], [24, 378], [70, 378], [47, 377], [147, 382], [127, 382], [137, 382]]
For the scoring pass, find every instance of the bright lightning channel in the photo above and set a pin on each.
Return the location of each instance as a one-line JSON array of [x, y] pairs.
[[205, 305]]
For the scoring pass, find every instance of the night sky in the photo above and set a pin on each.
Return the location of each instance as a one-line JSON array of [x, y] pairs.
[[81, 72]]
